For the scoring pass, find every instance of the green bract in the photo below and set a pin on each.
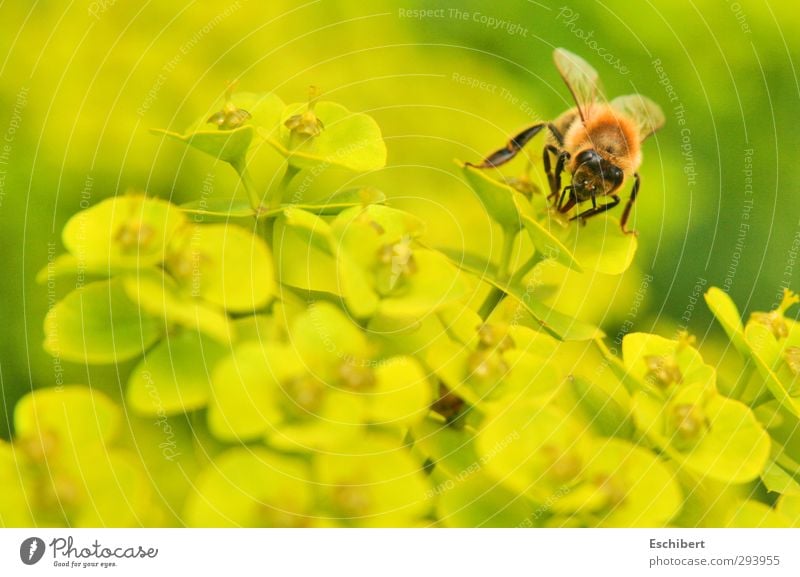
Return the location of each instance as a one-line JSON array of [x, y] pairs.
[[705, 432], [665, 364], [99, 323], [231, 140], [376, 483], [174, 376], [599, 246], [251, 488], [224, 265], [129, 231], [319, 389], [69, 457], [346, 139], [499, 200]]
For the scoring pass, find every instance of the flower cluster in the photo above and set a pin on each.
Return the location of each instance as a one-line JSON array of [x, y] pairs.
[[318, 364]]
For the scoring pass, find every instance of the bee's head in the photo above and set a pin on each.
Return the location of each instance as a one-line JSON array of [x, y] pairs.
[[593, 175]]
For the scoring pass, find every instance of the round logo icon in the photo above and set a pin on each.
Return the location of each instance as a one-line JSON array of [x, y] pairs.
[[31, 551]]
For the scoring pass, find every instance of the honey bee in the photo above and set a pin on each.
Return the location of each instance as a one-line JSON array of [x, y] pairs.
[[597, 142]]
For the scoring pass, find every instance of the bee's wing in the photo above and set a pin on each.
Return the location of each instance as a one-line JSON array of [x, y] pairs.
[[581, 79], [644, 112]]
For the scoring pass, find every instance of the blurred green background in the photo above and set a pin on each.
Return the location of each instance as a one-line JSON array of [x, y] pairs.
[[81, 83]]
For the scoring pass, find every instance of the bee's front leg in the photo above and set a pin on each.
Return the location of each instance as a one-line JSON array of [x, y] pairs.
[[629, 205], [597, 209]]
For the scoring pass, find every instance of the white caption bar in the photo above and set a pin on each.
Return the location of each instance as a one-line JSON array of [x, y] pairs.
[[400, 552]]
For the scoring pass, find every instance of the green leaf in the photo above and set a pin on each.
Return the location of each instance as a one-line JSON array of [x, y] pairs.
[[304, 261], [225, 265], [375, 483], [601, 246], [766, 354], [434, 284], [752, 514], [547, 244], [117, 492], [232, 145], [471, 262], [128, 231], [789, 507], [157, 295], [246, 386], [348, 140], [402, 392], [313, 229], [777, 480], [174, 377], [391, 224], [479, 501], [496, 197], [628, 486], [251, 487], [534, 449], [465, 495], [80, 418], [15, 510], [334, 204], [218, 207], [339, 201], [98, 323], [325, 337], [265, 110], [734, 448], [227, 145], [601, 409], [641, 350], [727, 314], [559, 325]]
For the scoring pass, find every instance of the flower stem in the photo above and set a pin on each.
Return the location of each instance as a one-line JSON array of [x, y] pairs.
[[276, 195], [496, 294], [526, 267], [740, 386], [249, 186]]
